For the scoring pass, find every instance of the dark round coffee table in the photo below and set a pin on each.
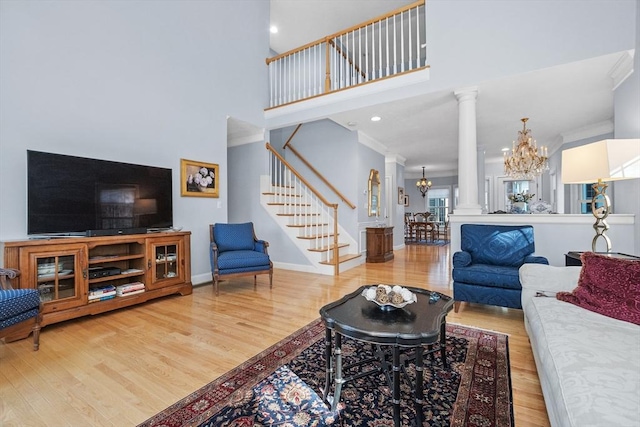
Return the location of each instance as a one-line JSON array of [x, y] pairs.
[[419, 324]]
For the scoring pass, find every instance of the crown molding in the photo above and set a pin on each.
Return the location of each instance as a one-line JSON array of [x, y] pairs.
[[395, 158], [622, 69], [372, 143], [249, 139], [589, 131]]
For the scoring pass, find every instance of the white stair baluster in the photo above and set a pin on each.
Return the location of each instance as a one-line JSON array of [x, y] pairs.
[[410, 67]]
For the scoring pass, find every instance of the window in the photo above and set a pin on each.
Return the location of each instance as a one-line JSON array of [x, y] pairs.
[[586, 198], [439, 205]]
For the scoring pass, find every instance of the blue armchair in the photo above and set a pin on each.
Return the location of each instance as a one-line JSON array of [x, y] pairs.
[[235, 251], [20, 310], [485, 271]]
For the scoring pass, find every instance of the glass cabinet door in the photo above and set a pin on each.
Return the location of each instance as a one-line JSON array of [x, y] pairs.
[[56, 277], [59, 278], [166, 263]]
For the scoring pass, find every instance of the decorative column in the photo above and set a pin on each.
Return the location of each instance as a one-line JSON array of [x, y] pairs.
[[481, 179], [467, 153]]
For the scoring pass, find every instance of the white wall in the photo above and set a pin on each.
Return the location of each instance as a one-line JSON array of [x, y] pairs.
[[496, 38], [627, 125], [136, 81]]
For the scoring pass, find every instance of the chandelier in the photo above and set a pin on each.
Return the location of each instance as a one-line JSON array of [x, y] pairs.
[[423, 185], [526, 160]]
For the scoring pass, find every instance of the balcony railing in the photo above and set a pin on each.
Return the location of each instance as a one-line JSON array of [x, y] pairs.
[[389, 45]]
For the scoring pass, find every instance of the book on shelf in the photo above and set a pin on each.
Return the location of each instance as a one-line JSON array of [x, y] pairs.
[[103, 297], [130, 286], [127, 293], [130, 289], [99, 290]]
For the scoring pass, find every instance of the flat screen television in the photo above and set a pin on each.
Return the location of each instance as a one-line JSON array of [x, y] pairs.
[[68, 195]]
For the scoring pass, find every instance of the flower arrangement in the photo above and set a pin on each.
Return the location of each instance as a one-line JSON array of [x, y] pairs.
[[521, 197], [202, 179]]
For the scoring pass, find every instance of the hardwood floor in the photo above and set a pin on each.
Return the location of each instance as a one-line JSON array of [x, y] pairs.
[[122, 367]]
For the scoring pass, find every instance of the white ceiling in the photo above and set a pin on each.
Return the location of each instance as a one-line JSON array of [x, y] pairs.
[[424, 130]]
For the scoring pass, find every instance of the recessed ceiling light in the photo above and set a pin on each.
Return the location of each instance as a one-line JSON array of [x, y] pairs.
[[352, 124], [506, 149], [273, 29], [375, 119]]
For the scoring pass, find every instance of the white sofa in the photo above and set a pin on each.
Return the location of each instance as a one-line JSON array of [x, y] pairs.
[[588, 364]]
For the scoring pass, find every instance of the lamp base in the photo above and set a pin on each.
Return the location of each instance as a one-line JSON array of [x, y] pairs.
[[601, 213]]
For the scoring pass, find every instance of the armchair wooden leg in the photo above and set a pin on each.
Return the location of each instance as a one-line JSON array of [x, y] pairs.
[[271, 279], [456, 306], [255, 282], [36, 336], [216, 286]]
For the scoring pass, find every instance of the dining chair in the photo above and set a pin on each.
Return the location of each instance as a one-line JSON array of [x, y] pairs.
[[423, 227], [408, 226]]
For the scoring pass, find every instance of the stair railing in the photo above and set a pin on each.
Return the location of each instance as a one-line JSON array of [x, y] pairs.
[[391, 44], [314, 170], [310, 211]]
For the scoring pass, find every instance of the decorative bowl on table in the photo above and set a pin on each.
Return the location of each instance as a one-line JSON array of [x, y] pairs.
[[389, 297]]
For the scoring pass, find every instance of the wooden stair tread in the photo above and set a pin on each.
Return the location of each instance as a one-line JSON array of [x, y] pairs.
[[282, 186], [307, 225], [297, 214], [342, 258], [287, 204], [315, 236], [284, 195], [326, 248]]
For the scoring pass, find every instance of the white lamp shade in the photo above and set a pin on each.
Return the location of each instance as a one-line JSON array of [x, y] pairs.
[[608, 160]]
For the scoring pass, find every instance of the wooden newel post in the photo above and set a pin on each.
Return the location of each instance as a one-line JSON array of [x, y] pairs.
[[327, 79]]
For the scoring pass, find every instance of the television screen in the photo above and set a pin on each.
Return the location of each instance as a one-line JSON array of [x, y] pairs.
[[76, 195]]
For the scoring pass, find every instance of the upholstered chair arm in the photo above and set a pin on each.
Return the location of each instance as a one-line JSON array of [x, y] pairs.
[[461, 259], [532, 259], [548, 279], [7, 273], [213, 255], [261, 246]]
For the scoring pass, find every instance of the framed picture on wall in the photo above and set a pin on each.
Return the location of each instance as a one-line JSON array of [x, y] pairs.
[[199, 179], [400, 195], [406, 200]]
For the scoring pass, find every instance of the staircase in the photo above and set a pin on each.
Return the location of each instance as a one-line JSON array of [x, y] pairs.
[[307, 218]]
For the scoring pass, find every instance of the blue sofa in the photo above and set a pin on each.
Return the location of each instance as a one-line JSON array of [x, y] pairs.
[[485, 271]]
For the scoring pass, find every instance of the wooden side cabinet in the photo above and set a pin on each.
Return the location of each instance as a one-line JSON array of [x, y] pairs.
[[71, 272], [379, 244]]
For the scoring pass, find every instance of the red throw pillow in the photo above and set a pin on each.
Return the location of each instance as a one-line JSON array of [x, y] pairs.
[[608, 286]]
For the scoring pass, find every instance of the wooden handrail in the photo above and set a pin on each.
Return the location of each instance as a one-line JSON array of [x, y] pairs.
[[335, 247], [340, 33], [425, 67], [315, 171], [300, 177], [344, 55]]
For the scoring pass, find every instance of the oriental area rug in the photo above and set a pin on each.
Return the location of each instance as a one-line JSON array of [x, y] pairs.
[[282, 386]]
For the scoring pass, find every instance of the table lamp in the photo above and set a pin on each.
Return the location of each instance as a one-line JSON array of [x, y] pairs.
[[602, 161]]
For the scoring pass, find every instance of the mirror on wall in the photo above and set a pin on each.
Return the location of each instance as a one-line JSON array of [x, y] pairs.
[[374, 193]]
